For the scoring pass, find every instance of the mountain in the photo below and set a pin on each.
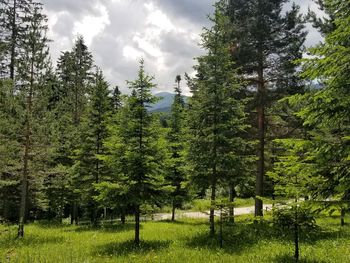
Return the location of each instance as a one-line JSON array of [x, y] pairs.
[[166, 99]]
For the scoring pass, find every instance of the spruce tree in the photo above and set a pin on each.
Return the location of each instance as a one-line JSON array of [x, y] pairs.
[[216, 117], [90, 170], [32, 64], [116, 99], [176, 171], [74, 72], [264, 44], [13, 26], [325, 111], [11, 111], [137, 150]]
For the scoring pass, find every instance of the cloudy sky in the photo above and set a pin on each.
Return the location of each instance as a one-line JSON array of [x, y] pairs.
[[119, 32]]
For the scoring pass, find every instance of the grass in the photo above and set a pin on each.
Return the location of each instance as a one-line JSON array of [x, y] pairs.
[[203, 205], [182, 241]]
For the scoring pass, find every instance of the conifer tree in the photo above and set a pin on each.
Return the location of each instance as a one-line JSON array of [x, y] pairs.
[[11, 111], [295, 174], [137, 150], [116, 99], [74, 72], [325, 112], [176, 171], [90, 170], [32, 64], [216, 117], [13, 14], [264, 44]]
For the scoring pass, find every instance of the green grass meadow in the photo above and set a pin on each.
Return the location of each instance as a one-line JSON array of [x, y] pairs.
[[182, 241]]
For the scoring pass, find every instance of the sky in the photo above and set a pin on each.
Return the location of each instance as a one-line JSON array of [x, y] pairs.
[[166, 33]]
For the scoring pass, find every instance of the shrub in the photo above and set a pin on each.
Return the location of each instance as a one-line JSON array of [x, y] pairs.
[[286, 217]]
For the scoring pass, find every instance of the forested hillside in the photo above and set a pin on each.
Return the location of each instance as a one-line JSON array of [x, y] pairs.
[[76, 149]]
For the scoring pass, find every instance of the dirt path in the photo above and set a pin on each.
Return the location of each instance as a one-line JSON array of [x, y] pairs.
[[198, 215]]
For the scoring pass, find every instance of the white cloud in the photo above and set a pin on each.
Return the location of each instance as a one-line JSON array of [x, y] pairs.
[[91, 26], [165, 33], [132, 53]]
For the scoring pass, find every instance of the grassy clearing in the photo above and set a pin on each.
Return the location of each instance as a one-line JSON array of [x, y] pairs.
[[203, 205], [183, 241]]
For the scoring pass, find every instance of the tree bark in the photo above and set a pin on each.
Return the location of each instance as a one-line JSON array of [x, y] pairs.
[[173, 212], [221, 238], [342, 217], [137, 225], [296, 237], [75, 213], [231, 207], [27, 146], [212, 199], [122, 216], [261, 137]]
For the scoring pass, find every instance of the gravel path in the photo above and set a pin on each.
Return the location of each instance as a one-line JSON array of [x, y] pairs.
[[198, 215]]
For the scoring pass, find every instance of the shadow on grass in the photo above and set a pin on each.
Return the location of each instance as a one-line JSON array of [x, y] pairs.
[[184, 222], [111, 228], [30, 241], [241, 236], [236, 238], [291, 259], [51, 224], [128, 247]]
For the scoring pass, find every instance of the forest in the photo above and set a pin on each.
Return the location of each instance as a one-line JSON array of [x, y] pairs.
[[87, 171]]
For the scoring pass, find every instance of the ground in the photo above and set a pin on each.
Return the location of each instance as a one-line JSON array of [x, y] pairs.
[[182, 241]]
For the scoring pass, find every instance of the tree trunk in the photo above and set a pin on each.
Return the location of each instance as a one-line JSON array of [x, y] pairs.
[[342, 217], [97, 180], [173, 212], [122, 216], [296, 237], [231, 207], [221, 239], [75, 213], [261, 136], [24, 187], [212, 209], [27, 144], [137, 225]]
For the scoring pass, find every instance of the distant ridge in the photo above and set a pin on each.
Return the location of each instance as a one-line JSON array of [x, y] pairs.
[[166, 99]]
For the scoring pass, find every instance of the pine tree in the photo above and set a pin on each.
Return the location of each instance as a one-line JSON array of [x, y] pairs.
[[264, 44], [137, 150], [116, 99], [12, 23], [89, 167], [32, 64], [11, 111], [176, 171], [293, 175], [325, 112], [74, 72], [216, 117]]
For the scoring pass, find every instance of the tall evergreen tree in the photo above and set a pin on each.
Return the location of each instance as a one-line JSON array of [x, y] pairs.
[[325, 112], [137, 150], [90, 170], [264, 44], [216, 117], [32, 64], [176, 172], [116, 99], [11, 111], [13, 26], [74, 72]]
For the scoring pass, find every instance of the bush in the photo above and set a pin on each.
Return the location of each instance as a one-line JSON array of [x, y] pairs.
[[286, 217]]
